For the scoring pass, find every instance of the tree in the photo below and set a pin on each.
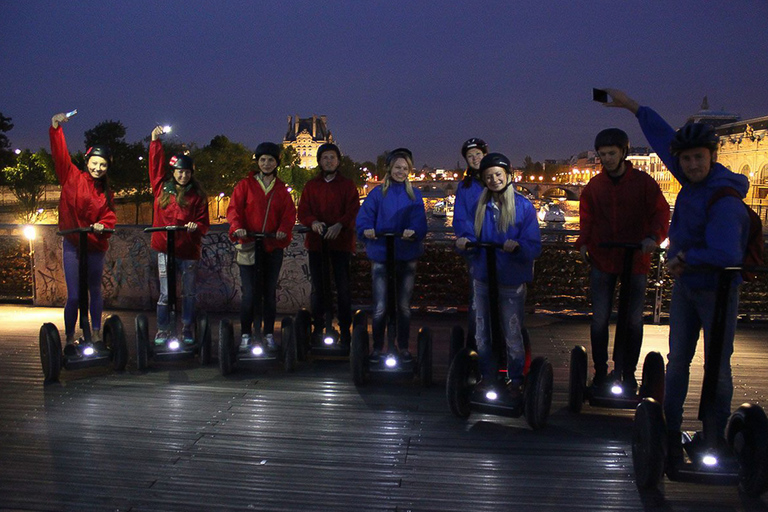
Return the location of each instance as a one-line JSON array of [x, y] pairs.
[[6, 155], [27, 181], [221, 164], [289, 171], [352, 170]]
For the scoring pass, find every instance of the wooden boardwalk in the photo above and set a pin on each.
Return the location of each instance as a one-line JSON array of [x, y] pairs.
[[184, 438]]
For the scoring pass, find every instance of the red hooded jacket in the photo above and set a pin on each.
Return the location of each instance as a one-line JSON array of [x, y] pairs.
[[187, 244], [629, 210], [248, 209], [83, 202], [330, 202]]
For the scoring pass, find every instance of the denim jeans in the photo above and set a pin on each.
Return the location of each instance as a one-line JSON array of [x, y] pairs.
[[340, 262], [188, 269], [260, 305], [690, 311], [405, 273], [511, 311], [72, 278], [602, 286]]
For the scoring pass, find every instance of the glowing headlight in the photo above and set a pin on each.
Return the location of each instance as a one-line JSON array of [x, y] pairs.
[[257, 350], [616, 389], [491, 395], [174, 345], [88, 351], [328, 340], [390, 361], [709, 460]]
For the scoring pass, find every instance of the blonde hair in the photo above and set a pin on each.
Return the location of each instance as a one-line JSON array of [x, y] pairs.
[[506, 203], [388, 177]]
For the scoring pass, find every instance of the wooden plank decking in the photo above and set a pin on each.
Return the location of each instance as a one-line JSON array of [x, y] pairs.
[[181, 437]]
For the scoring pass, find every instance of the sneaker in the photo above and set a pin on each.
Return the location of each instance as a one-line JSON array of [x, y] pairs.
[[374, 357], [188, 336], [245, 340], [514, 389], [406, 356], [600, 378], [69, 349], [630, 383], [269, 341], [161, 337]]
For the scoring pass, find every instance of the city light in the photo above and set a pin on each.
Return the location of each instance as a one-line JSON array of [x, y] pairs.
[[29, 232], [17, 151]]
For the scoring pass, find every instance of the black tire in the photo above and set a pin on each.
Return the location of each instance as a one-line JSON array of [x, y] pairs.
[[649, 444], [538, 393], [463, 375], [114, 339], [226, 347], [358, 355], [142, 342], [302, 329], [456, 344], [425, 356], [653, 377], [577, 379], [747, 435], [50, 352], [203, 335], [288, 343]]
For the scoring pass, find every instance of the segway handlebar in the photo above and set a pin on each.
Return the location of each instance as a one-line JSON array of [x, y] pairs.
[[257, 234], [87, 229], [165, 228], [488, 245], [387, 234]]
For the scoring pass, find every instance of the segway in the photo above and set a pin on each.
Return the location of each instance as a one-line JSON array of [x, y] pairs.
[[84, 352], [745, 462], [612, 393], [464, 371], [326, 343], [174, 347], [390, 363], [232, 354]]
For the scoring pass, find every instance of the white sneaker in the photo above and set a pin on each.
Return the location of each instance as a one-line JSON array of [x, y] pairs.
[[269, 341], [245, 340]]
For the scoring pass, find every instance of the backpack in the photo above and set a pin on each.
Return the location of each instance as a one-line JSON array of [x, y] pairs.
[[753, 253]]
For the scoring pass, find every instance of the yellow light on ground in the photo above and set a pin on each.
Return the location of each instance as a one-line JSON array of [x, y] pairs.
[[29, 232]]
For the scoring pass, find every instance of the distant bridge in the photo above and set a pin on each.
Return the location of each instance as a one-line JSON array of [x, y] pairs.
[[534, 190]]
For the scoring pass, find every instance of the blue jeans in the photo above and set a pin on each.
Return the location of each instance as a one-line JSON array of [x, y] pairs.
[[188, 269], [602, 286], [405, 273], [512, 309], [690, 311], [259, 305], [72, 276]]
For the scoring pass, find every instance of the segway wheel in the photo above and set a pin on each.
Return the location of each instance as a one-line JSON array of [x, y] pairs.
[[114, 339], [747, 435], [538, 393], [50, 352], [358, 355], [648, 444], [463, 375], [653, 377], [302, 329], [456, 344], [578, 379], [288, 341], [203, 335], [425, 356], [142, 342], [226, 347]]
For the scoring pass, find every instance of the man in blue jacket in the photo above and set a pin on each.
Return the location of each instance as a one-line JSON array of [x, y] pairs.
[[701, 235]]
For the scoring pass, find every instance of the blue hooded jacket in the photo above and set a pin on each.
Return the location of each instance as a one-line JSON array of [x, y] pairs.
[[513, 269], [713, 235], [393, 213], [464, 208]]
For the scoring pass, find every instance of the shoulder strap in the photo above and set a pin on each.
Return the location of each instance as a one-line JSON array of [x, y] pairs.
[[723, 192]]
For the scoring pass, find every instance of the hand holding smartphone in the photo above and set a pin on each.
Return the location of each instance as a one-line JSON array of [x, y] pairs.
[[599, 95]]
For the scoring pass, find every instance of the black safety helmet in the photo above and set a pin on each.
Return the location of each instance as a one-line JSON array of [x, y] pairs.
[[328, 146], [495, 160], [182, 161], [613, 137], [99, 150], [399, 153], [474, 142], [267, 148], [694, 135]]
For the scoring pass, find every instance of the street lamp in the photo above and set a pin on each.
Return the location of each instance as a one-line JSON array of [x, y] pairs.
[[218, 205]]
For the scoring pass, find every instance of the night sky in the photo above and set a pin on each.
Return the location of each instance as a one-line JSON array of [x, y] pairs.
[[426, 75]]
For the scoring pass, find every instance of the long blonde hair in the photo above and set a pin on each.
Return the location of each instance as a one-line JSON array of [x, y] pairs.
[[388, 178], [506, 204]]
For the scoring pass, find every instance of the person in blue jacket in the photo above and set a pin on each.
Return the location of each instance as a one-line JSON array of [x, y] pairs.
[[467, 193], [502, 216], [702, 234], [393, 207]]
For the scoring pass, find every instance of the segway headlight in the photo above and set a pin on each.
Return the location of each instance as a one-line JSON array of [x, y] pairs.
[[174, 345], [257, 350], [88, 351], [328, 340], [390, 361], [616, 389], [491, 395], [709, 460]]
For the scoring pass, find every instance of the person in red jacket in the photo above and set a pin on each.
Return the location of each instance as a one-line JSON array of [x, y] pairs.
[[621, 204], [261, 203], [329, 205], [86, 200], [179, 201]]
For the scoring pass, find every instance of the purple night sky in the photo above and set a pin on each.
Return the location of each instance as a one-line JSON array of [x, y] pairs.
[[426, 75]]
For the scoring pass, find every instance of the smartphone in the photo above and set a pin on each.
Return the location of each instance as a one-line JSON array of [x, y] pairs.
[[166, 129], [70, 114], [599, 95]]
